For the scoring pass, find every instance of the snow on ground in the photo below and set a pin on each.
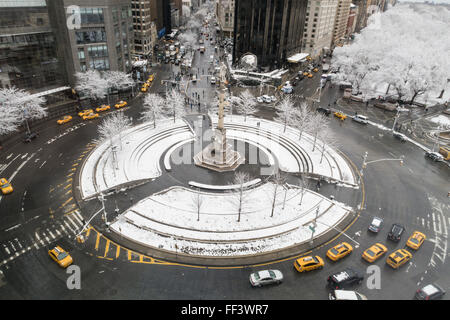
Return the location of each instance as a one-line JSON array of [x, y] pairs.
[[170, 218], [442, 120], [142, 148]]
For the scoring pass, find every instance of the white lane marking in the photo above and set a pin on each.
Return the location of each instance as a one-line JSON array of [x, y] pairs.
[[69, 227], [24, 156], [73, 223], [20, 245], [6, 249], [77, 219], [12, 245], [57, 231], [20, 167], [9, 156], [43, 163], [7, 165], [51, 234], [423, 222]]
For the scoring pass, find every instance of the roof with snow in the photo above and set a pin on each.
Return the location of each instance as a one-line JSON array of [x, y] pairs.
[[296, 58]]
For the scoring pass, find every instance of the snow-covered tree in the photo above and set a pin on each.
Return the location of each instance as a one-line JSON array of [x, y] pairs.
[[403, 50], [22, 106], [113, 126], [328, 139], [118, 80], [286, 112], [244, 103], [175, 104], [92, 84], [154, 106], [197, 203]]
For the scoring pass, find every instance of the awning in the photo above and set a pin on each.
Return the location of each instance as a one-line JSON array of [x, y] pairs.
[[296, 58], [44, 93]]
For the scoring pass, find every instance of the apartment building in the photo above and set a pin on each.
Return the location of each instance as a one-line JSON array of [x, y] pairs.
[[319, 26], [225, 17], [144, 26], [341, 21]]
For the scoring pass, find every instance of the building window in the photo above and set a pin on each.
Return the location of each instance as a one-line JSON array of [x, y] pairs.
[[97, 51], [91, 36], [99, 64], [91, 15], [81, 54]]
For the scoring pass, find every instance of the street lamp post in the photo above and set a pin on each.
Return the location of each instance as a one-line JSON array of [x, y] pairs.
[[365, 163]]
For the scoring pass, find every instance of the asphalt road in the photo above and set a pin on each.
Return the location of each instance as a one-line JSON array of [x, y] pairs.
[[40, 213]]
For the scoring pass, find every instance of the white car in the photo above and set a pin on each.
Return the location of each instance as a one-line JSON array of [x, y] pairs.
[[266, 99], [259, 99], [273, 98], [287, 89], [346, 295], [213, 80], [361, 119], [265, 277]]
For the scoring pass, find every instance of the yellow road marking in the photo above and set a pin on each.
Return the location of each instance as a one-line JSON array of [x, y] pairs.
[[70, 174], [69, 180], [73, 169], [106, 248], [75, 164], [117, 251], [97, 241], [68, 192], [68, 186], [65, 203]]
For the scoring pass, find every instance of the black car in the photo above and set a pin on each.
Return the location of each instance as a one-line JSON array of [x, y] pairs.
[[430, 292], [396, 232], [345, 278], [325, 111], [435, 156], [30, 136]]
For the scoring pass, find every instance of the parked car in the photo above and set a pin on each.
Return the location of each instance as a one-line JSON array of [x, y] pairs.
[[376, 224], [345, 278], [266, 99], [430, 292], [399, 136], [259, 99], [30, 136], [265, 277], [361, 119], [325, 111], [435, 156], [273, 98], [398, 258], [213, 80], [396, 232], [346, 295]]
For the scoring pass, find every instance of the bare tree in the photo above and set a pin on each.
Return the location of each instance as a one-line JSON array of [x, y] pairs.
[[286, 112], [304, 186], [239, 196], [112, 126], [302, 122], [245, 103], [153, 108], [175, 104], [197, 202], [328, 139], [318, 122], [279, 179]]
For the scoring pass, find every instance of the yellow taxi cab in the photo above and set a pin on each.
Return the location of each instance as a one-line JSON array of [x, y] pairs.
[[340, 115], [5, 186], [90, 116], [308, 263], [60, 256], [65, 119], [315, 69], [151, 77], [374, 252], [85, 112], [310, 75], [398, 258], [121, 104], [339, 251], [103, 107], [416, 240], [148, 83], [144, 88], [305, 73]]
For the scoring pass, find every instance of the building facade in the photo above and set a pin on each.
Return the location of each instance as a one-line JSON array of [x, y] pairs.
[[144, 26], [103, 40], [28, 47], [270, 29], [351, 22], [319, 26], [341, 21], [225, 17]]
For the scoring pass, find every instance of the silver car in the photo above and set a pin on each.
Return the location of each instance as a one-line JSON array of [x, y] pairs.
[[264, 277]]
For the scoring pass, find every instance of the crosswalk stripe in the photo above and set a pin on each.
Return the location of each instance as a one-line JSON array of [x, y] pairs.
[[73, 223], [78, 219], [69, 227], [51, 234], [6, 249]]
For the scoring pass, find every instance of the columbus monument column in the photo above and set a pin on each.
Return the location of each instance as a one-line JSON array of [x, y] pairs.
[[219, 155]]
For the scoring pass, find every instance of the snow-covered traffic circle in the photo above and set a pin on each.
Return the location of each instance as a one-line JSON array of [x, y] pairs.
[[200, 219]]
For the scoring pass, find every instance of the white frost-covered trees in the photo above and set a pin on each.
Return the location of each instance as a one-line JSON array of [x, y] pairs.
[[402, 52], [154, 106]]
